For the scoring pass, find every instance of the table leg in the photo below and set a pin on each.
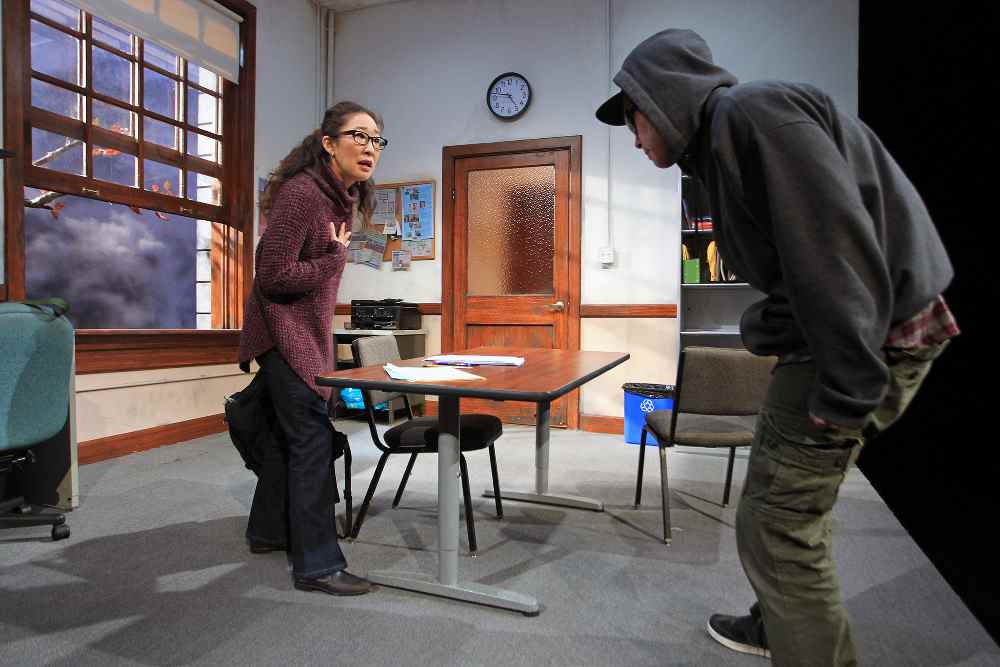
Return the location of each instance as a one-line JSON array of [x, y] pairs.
[[541, 494], [447, 584]]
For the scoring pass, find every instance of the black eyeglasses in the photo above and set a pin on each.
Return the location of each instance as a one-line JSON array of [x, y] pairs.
[[362, 139]]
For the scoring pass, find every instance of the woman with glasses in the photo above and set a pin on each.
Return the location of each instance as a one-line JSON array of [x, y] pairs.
[[310, 201]]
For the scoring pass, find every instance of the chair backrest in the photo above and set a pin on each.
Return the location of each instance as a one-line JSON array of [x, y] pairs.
[[36, 362], [376, 351], [722, 381]]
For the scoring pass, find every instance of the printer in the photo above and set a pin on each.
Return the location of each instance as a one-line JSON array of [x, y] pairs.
[[384, 314]]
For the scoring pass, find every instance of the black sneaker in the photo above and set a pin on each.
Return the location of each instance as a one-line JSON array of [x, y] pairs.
[[739, 633]]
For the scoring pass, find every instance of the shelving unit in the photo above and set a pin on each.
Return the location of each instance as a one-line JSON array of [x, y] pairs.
[[710, 311]]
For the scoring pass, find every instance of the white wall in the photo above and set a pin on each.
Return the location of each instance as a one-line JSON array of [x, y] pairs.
[[425, 64], [288, 95]]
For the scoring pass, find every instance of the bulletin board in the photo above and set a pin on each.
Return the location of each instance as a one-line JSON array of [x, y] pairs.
[[404, 212]]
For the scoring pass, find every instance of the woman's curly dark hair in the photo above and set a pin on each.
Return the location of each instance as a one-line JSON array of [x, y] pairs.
[[311, 153]]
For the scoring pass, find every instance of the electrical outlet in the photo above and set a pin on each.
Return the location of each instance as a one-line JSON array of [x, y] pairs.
[[606, 256]]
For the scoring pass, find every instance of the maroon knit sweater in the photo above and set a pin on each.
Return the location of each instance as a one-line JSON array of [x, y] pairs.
[[298, 269]]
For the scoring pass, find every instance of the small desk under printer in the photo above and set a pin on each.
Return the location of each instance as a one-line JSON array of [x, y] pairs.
[[387, 317]]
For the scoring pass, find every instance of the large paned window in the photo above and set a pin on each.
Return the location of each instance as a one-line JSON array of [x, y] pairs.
[[131, 196]]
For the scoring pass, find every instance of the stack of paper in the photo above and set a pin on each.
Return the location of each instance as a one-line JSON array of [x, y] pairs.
[[434, 374], [474, 360]]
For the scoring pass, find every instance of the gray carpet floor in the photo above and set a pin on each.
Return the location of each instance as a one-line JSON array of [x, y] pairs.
[[157, 572]]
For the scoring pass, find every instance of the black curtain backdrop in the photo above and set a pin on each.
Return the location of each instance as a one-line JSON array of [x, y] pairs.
[[927, 81]]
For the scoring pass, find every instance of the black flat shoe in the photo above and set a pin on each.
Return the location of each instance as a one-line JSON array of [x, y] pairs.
[[340, 582], [261, 548]]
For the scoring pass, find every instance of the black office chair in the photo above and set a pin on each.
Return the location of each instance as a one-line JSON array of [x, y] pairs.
[[420, 435], [717, 396], [35, 372]]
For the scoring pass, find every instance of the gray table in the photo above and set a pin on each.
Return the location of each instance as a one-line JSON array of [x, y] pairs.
[[545, 376]]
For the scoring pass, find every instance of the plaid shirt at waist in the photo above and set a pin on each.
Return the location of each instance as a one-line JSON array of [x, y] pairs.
[[931, 326]]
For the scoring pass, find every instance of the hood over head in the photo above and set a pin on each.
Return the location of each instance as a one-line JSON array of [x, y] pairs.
[[668, 77]]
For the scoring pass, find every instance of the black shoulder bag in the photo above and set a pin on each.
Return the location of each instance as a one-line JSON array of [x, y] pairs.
[[249, 412]]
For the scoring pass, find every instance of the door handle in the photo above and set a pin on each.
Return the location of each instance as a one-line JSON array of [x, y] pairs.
[[558, 306]]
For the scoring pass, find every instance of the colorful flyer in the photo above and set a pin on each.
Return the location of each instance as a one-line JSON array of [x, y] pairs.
[[418, 212]]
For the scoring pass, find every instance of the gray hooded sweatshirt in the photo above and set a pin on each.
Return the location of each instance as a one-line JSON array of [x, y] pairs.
[[809, 208]]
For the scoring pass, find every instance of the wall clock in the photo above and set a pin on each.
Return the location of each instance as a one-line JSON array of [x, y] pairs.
[[508, 96]]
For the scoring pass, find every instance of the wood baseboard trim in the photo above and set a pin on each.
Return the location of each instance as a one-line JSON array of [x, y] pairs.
[[601, 424], [635, 310], [101, 449]]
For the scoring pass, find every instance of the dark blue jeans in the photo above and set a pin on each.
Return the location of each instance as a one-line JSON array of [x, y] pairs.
[[296, 492]]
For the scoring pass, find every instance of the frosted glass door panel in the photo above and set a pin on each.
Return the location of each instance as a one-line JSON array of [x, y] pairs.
[[511, 231]]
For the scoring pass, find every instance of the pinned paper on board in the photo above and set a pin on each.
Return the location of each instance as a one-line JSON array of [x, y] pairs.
[[418, 212], [384, 215], [367, 248], [422, 248], [401, 260]]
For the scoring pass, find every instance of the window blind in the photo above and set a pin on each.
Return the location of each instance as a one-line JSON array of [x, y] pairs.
[[201, 31]]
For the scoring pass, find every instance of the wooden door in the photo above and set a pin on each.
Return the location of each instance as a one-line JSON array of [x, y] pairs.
[[514, 258]]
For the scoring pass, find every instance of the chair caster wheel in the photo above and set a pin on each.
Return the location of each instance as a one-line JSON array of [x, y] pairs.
[[60, 532]]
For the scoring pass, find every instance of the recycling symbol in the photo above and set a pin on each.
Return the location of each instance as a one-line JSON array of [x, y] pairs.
[[646, 405]]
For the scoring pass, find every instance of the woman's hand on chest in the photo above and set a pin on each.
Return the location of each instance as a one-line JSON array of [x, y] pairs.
[[341, 233]]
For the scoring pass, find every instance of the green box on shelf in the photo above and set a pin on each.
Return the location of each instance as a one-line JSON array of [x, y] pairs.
[[691, 272]]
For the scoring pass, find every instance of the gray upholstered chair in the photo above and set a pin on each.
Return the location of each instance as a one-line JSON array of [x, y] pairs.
[[717, 396], [36, 361], [420, 435]]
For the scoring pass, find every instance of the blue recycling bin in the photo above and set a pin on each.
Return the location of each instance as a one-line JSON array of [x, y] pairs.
[[640, 398], [354, 401]]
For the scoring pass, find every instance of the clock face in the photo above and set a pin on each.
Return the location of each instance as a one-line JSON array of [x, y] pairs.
[[508, 96]]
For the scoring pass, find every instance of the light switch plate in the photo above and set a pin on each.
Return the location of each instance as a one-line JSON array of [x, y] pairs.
[[606, 255]]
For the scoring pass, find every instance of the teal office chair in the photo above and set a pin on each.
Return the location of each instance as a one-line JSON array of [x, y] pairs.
[[35, 372]]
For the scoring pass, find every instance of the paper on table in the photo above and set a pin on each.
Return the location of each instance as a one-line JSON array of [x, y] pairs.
[[434, 374], [474, 360]]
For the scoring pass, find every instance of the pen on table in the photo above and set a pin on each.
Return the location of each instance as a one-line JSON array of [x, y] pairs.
[[449, 363]]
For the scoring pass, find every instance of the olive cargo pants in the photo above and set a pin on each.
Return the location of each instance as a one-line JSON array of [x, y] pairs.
[[784, 517]]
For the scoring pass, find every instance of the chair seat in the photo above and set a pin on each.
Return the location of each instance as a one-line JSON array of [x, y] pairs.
[[703, 430], [421, 433]]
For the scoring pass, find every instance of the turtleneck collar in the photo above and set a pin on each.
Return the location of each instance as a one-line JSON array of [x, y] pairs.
[[330, 185]]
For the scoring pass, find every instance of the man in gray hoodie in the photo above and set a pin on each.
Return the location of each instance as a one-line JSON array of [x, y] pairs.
[[809, 208]]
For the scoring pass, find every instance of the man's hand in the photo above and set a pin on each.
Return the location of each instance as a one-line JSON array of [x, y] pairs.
[[343, 236]]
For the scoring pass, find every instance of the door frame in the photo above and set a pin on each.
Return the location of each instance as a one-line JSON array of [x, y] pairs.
[[450, 154]]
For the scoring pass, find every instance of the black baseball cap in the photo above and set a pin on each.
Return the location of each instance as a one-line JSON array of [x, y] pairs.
[[612, 112]]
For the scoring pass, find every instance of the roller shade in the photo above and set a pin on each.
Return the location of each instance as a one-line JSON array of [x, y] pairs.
[[200, 30]]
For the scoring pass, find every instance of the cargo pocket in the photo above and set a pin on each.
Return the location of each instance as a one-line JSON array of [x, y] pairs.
[[789, 478]]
